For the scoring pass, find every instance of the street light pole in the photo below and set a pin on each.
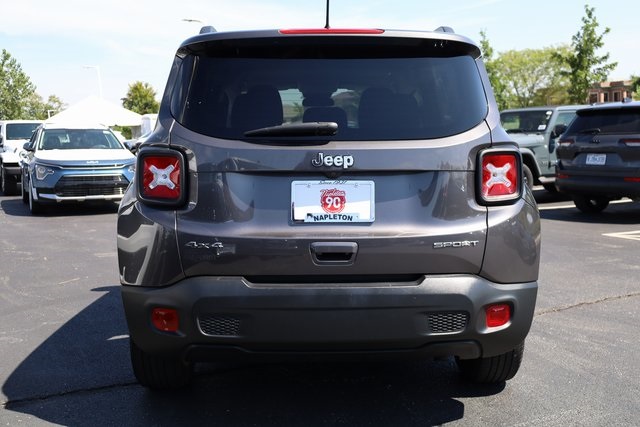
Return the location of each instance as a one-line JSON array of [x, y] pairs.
[[97, 68]]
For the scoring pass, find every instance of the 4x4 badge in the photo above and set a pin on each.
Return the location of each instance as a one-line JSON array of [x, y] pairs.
[[340, 161]]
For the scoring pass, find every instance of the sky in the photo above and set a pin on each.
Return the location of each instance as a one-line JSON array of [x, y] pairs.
[[79, 48]]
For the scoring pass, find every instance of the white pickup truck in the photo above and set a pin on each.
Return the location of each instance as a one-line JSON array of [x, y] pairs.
[[13, 135]]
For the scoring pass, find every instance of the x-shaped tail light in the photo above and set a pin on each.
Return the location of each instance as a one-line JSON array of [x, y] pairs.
[[161, 177], [500, 177]]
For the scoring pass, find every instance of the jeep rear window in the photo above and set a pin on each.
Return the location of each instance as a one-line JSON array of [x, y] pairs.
[[605, 120], [388, 92]]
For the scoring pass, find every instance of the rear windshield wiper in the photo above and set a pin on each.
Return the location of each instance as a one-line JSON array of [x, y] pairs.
[[297, 129], [593, 131]]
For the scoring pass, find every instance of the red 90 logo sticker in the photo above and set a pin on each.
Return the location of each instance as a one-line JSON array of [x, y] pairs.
[[333, 200]]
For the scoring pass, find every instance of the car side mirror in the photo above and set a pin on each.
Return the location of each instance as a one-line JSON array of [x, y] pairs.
[[27, 147], [555, 133], [558, 130], [1, 141]]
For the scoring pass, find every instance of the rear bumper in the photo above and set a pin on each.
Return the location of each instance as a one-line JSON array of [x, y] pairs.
[[223, 317], [613, 187]]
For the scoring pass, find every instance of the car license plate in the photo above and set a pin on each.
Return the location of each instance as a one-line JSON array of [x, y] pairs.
[[333, 201], [596, 159]]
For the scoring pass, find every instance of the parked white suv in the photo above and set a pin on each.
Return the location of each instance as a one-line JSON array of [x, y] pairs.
[[13, 135]]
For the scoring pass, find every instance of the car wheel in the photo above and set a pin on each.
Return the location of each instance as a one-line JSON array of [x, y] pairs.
[[588, 204], [25, 191], [158, 372], [9, 183], [35, 207], [528, 176], [491, 370]]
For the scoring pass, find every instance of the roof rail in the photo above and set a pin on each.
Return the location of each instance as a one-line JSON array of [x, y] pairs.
[[207, 29], [445, 29]]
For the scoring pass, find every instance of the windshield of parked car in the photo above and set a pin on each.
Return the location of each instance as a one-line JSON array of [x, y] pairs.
[[386, 92], [530, 121], [20, 130], [73, 139]]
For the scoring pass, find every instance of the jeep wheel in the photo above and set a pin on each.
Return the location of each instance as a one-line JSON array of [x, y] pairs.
[[528, 176], [9, 183], [588, 204], [159, 372], [496, 369]]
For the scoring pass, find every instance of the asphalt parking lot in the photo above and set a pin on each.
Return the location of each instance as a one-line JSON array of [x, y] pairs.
[[65, 359]]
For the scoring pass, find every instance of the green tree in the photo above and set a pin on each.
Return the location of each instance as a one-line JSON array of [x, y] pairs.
[[532, 77], [38, 109], [16, 89], [141, 98], [585, 66], [635, 87]]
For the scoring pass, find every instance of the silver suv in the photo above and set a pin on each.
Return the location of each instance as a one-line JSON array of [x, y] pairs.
[[323, 193]]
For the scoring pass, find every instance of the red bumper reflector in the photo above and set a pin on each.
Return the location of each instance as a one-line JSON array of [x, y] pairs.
[[165, 319], [497, 315], [632, 179]]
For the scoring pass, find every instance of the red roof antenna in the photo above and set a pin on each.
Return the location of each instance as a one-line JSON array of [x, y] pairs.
[[327, 24]]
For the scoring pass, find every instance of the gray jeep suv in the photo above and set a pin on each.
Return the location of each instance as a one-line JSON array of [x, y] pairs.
[[328, 193]]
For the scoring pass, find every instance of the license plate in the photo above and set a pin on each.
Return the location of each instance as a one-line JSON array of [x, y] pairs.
[[596, 159], [333, 201]]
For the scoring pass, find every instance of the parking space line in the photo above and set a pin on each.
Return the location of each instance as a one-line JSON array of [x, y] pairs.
[[569, 206], [630, 235]]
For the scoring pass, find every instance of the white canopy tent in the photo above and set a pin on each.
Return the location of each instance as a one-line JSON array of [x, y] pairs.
[[97, 110]]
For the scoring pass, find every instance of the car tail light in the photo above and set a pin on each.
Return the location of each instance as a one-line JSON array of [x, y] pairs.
[[165, 319], [332, 31], [566, 141], [161, 177], [631, 142], [500, 177], [497, 315]]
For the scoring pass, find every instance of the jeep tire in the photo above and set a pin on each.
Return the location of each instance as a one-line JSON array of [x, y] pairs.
[[528, 176], [492, 370], [158, 372], [9, 183], [588, 204]]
